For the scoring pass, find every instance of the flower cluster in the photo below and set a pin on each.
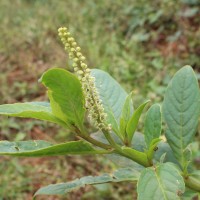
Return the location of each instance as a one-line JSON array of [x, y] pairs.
[[93, 102]]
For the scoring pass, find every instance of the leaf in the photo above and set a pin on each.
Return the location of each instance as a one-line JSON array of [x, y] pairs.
[[139, 157], [111, 93], [66, 96], [153, 148], [138, 144], [181, 111], [122, 128], [37, 110], [127, 112], [189, 194], [111, 120], [164, 148], [162, 182], [42, 148], [133, 122], [152, 124], [125, 174], [196, 174]]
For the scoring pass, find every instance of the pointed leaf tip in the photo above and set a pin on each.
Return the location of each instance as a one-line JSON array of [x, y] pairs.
[[152, 124], [181, 109], [133, 122]]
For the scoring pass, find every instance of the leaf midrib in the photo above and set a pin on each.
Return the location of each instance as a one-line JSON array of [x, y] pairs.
[[160, 185]]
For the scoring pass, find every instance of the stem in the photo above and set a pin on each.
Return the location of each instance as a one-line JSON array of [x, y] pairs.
[[190, 182], [82, 133], [134, 155], [95, 142], [110, 139]]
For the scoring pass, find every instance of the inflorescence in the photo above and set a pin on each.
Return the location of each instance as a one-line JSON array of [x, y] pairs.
[[93, 103]]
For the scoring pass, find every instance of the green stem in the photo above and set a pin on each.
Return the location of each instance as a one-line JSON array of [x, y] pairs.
[[110, 140], [134, 155], [137, 156], [190, 182], [95, 142], [82, 133]]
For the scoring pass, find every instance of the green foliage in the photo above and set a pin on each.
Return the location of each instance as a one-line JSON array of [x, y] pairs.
[[162, 167], [133, 122], [127, 112], [152, 124], [113, 97], [66, 96], [138, 156], [125, 174], [111, 93], [37, 110], [156, 37], [42, 148], [181, 111], [163, 181]]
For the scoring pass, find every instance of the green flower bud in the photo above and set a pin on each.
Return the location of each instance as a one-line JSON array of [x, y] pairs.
[[74, 44], [76, 69], [78, 49], [72, 50], [87, 70], [82, 58], [71, 39], [79, 72], [79, 54], [75, 60], [84, 66]]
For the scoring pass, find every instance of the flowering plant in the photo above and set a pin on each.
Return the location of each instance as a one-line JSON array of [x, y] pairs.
[[162, 169]]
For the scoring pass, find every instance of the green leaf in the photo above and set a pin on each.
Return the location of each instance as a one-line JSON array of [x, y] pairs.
[[162, 182], [181, 111], [139, 157], [152, 124], [133, 122], [164, 148], [153, 148], [122, 128], [111, 93], [138, 143], [196, 173], [42, 148], [66, 96], [127, 112], [125, 174], [111, 120], [36, 110], [190, 194]]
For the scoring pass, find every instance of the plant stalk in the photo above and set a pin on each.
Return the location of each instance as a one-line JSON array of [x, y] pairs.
[[131, 155], [97, 143], [87, 137], [190, 182]]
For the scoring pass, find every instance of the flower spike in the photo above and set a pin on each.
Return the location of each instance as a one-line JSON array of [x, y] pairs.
[[93, 103]]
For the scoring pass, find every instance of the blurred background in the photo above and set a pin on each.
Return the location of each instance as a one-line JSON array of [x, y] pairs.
[[140, 43]]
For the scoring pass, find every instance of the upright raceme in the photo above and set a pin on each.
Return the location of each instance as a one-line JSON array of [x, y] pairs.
[[93, 102]]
